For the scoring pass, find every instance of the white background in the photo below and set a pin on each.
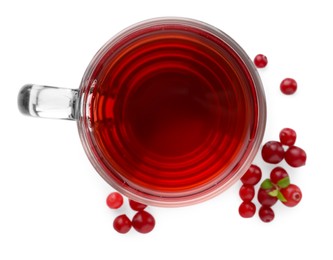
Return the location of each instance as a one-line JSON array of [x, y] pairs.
[[52, 203]]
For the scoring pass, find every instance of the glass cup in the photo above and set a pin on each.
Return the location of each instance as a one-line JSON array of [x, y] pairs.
[[170, 111]]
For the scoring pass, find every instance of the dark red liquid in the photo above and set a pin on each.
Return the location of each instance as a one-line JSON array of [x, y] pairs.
[[171, 108]]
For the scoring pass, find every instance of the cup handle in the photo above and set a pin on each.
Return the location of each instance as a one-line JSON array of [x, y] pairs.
[[48, 102]]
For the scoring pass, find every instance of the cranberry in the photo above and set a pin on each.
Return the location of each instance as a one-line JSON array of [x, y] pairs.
[[247, 209], [287, 136], [272, 152], [122, 224], [265, 199], [292, 194], [260, 61], [266, 214], [288, 86], [252, 176], [114, 200], [277, 174], [137, 206], [143, 222], [246, 192], [295, 156]]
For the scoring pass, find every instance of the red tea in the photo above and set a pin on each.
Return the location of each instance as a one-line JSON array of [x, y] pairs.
[[171, 108]]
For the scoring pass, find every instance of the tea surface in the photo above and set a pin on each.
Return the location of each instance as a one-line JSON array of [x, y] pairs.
[[170, 109]]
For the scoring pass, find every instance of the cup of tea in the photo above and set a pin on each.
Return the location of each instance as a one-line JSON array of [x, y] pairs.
[[170, 111]]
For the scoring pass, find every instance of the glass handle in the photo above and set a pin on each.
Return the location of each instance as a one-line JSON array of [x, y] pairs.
[[48, 102]]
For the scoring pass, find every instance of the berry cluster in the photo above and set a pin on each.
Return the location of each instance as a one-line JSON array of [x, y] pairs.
[[142, 221], [247, 208], [277, 186], [273, 151]]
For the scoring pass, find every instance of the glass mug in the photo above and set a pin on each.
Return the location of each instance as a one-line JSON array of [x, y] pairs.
[[170, 112]]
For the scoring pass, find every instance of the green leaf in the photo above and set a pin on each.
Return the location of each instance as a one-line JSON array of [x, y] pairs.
[[274, 193], [281, 197], [266, 184], [284, 183]]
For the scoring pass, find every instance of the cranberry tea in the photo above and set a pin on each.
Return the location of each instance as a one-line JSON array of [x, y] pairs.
[[171, 108], [170, 111]]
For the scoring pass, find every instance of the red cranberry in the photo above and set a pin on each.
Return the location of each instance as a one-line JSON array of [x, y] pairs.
[[272, 152], [122, 224], [260, 61], [287, 136], [265, 199], [137, 206], [247, 209], [143, 222], [114, 200], [288, 86], [295, 156], [246, 192], [252, 176], [266, 214], [292, 194], [277, 174]]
